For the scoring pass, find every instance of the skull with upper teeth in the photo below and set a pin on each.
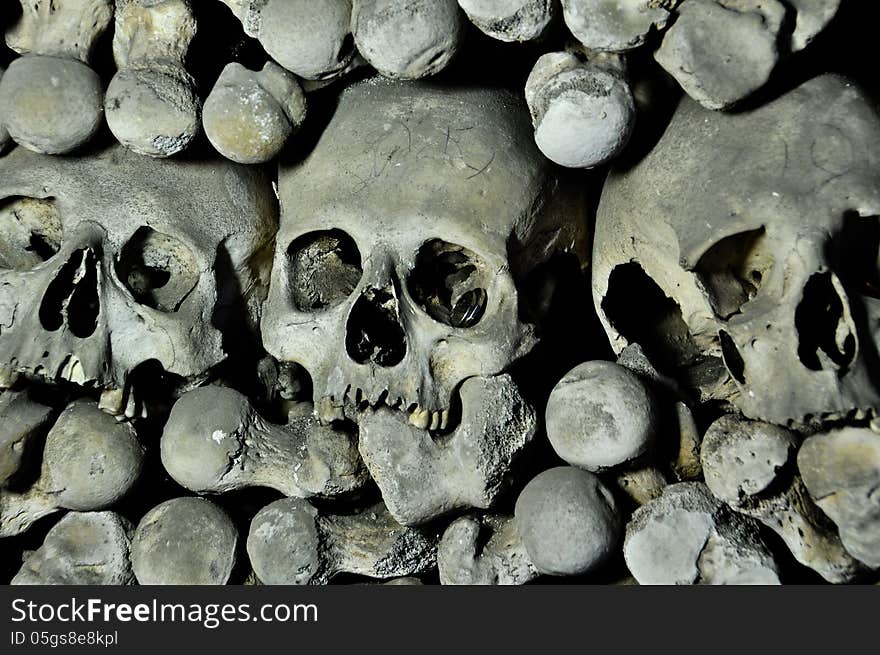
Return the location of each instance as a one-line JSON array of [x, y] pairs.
[[110, 260], [404, 235], [742, 254]]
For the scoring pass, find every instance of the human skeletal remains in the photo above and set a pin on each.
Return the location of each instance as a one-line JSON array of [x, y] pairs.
[[469, 292]]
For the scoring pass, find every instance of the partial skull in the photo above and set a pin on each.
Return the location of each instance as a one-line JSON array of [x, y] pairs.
[[111, 260], [741, 253]]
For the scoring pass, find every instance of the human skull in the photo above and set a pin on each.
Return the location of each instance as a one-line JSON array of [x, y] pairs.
[[403, 237], [742, 254], [111, 259]]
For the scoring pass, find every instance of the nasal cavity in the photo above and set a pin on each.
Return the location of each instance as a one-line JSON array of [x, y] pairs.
[[72, 296], [373, 333]]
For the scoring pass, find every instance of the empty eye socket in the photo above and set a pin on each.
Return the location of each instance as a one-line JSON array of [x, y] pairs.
[[324, 269], [159, 270], [449, 282], [30, 232]]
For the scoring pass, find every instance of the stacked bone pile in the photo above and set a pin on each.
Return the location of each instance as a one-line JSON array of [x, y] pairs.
[[418, 291]]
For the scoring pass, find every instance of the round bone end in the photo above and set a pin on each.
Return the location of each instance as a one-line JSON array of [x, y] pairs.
[[583, 114], [742, 458], [568, 521], [153, 112], [203, 437], [51, 105], [408, 40], [311, 38], [92, 458], [613, 25], [89, 548], [243, 118], [601, 415], [284, 545], [510, 20], [185, 541]]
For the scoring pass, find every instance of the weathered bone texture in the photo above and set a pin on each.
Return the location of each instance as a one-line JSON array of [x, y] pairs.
[[249, 115], [137, 259], [214, 442], [641, 485], [311, 38], [408, 39], [50, 100], [600, 415], [291, 542], [722, 51], [813, 16], [467, 556], [151, 104], [404, 235], [90, 462], [184, 541], [568, 521], [615, 25], [583, 112], [22, 421], [423, 476], [750, 466], [841, 470], [83, 548], [687, 537], [511, 20], [747, 240], [5, 139]]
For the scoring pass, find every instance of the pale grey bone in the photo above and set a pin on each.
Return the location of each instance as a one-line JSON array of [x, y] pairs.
[[249, 115], [51, 101], [90, 462], [583, 112], [615, 25], [600, 416], [152, 104], [841, 470], [311, 38], [722, 51], [400, 166], [408, 581], [750, 278], [687, 537], [291, 542], [22, 421], [813, 16], [466, 557], [686, 463], [83, 548], [750, 466], [423, 475], [5, 139], [184, 541], [511, 20], [408, 39], [569, 521], [214, 442], [112, 214]]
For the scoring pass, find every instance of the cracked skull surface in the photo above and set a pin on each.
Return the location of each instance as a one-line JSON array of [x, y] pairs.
[[403, 237], [752, 241], [111, 260]]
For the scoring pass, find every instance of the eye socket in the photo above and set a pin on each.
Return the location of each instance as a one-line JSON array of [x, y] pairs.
[[324, 269], [449, 283], [159, 270], [30, 232]]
